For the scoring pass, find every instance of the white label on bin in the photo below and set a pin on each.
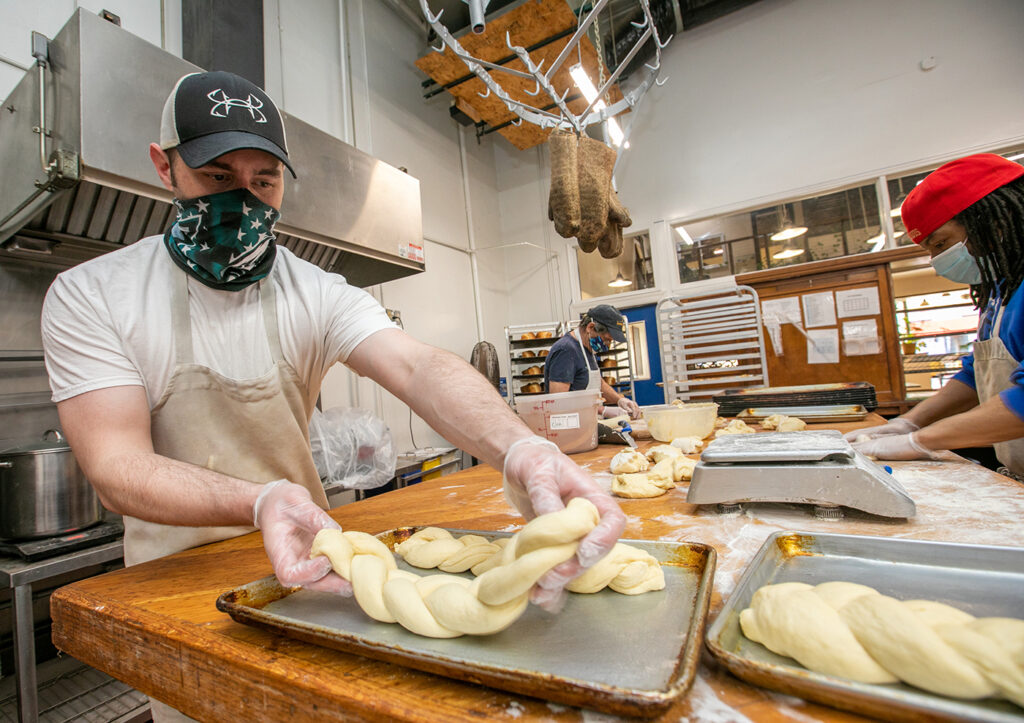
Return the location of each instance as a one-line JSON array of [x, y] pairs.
[[564, 421]]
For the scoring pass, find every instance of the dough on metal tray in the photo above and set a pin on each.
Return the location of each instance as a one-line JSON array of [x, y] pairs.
[[736, 426], [852, 631], [783, 423]]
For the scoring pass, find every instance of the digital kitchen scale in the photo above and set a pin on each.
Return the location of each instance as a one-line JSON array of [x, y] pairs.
[[32, 550], [817, 468]]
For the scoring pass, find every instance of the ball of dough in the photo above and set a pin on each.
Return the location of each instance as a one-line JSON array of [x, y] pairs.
[[628, 461], [662, 451], [640, 485], [682, 468], [736, 426], [688, 445], [782, 423]]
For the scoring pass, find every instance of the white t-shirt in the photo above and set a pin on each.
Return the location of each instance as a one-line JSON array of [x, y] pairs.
[[107, 323]]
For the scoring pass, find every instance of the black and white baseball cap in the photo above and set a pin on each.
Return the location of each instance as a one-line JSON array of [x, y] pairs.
[[210, 114]]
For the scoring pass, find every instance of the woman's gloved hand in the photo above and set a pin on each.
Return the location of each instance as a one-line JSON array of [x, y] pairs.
[[610, 411], [538, 479], [290, 520], [899, 425], [895, 446], [630, 407]]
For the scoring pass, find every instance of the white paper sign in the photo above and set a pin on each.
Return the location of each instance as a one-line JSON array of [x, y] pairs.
[[564, 421], [858, 302], [861, 337], [819, 309], [823, 346], [786, 311]]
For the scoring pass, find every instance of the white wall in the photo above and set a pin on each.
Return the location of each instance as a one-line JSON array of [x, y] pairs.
[[786, 97]]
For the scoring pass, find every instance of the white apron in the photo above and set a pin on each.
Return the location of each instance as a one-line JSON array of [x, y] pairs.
[[993, 365], [254, 429], [594, 380]]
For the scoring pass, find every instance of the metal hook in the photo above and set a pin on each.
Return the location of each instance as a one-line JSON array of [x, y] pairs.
[[653, 68], [566, 93], [439, 48], [662, 45], [485, 95], [536, 90], [508, 41], [639, 26], [661, 82], [434, 19], [517, 123]]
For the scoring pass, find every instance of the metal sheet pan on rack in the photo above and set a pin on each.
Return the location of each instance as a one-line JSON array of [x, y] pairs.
[[630, 655], [815, 413], [985, 581]]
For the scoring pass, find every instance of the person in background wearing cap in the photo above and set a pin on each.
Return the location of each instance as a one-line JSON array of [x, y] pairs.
[[572, 365], [969, 216], [186, 366]]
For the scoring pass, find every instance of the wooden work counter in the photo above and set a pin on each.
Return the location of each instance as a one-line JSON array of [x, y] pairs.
[[156, 627]]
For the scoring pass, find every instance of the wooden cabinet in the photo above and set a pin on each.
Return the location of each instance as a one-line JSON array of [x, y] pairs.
[[884, 369]]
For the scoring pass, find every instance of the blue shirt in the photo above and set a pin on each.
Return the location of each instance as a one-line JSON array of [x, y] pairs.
[[565, 363], [1011, 333]]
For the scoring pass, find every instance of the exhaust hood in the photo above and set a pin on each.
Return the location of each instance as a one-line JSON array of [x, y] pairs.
[[100, 95]]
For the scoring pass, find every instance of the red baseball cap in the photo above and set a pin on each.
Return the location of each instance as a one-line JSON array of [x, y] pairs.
[[951, 188]]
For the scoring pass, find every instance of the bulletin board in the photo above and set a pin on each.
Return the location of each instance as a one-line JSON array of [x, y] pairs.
[[846, 307]]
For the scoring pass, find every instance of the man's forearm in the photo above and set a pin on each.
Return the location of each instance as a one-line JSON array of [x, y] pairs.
[[159, 489], [954, 398], [986, 424], [462, 406]]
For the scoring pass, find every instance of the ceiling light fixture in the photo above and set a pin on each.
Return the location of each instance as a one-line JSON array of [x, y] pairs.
[[684, 235], [619, 282], [586, 86], [896, 212], [787, 230], [788, 253], [719, 251], [1015, 157]]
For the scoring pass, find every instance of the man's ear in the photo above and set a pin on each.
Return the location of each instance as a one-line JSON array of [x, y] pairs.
[[162, 164]]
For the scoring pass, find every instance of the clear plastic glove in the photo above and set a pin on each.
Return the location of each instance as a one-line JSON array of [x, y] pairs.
[[630, 407], [895, 446], [899, 425], [290, 520], [539, 479], [610, 412]]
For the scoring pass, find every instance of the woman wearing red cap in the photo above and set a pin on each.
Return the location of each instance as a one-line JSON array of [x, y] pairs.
[[969, 215]]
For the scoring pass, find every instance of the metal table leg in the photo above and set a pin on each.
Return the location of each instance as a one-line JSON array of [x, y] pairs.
[[25, 655]]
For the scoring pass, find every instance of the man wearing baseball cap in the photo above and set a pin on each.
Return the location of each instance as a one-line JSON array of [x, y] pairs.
[[572, 363], [186, 366], [969, 216]]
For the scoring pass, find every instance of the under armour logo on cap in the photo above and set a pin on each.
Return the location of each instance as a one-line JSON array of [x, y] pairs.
[[222, 105], [210, 114]]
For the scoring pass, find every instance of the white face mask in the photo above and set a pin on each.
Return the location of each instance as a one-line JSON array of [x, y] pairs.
[[957, 264]]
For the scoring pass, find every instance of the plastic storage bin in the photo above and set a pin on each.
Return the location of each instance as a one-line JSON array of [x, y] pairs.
[[665, 422], [569, 419]]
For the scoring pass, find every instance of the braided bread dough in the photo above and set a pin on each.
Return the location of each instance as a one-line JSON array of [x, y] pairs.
[[626, 569], [446, 606], [852, 631]]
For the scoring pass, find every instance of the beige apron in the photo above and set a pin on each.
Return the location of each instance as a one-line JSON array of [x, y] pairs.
[[253, 429], [993, 365]]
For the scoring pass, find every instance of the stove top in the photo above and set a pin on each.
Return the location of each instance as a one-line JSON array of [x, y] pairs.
[[32, 550]]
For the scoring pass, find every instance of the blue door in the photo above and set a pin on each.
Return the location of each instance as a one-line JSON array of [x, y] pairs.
[[647, 390]]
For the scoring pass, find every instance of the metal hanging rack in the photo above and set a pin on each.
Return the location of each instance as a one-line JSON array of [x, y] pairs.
[[556, 113]]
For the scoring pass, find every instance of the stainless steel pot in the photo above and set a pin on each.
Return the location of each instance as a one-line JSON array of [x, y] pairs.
[[43, 492]]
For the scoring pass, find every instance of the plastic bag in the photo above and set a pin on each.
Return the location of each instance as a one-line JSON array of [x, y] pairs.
[[351, 448]]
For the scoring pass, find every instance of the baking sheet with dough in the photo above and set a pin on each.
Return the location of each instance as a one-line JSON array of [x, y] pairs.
[[983, 580], [631, 655]]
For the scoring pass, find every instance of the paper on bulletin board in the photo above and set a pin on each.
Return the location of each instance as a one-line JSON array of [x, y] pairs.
[[860, 338], [819, 309], [823, 346], [785, 310], [858, 302]]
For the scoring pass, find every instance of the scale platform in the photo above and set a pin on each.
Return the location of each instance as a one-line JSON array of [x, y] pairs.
[[817, 468]]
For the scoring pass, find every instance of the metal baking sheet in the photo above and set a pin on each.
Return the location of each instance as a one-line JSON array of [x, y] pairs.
[[814, 414], [623, 654], [985, 581]]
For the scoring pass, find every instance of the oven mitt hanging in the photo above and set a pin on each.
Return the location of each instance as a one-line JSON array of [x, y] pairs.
[[610, 244], [564, 197], [596, 163]]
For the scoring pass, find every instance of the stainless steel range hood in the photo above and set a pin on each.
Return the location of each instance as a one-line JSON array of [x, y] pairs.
[[102, 95]]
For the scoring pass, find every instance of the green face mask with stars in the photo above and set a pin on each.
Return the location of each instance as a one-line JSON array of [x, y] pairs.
[[225, 240]]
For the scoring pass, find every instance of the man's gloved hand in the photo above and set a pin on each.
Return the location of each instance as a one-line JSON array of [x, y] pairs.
[[610, 411], [290, 520], [538, 479], [899, 425], [895, 446], [630, 407]]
